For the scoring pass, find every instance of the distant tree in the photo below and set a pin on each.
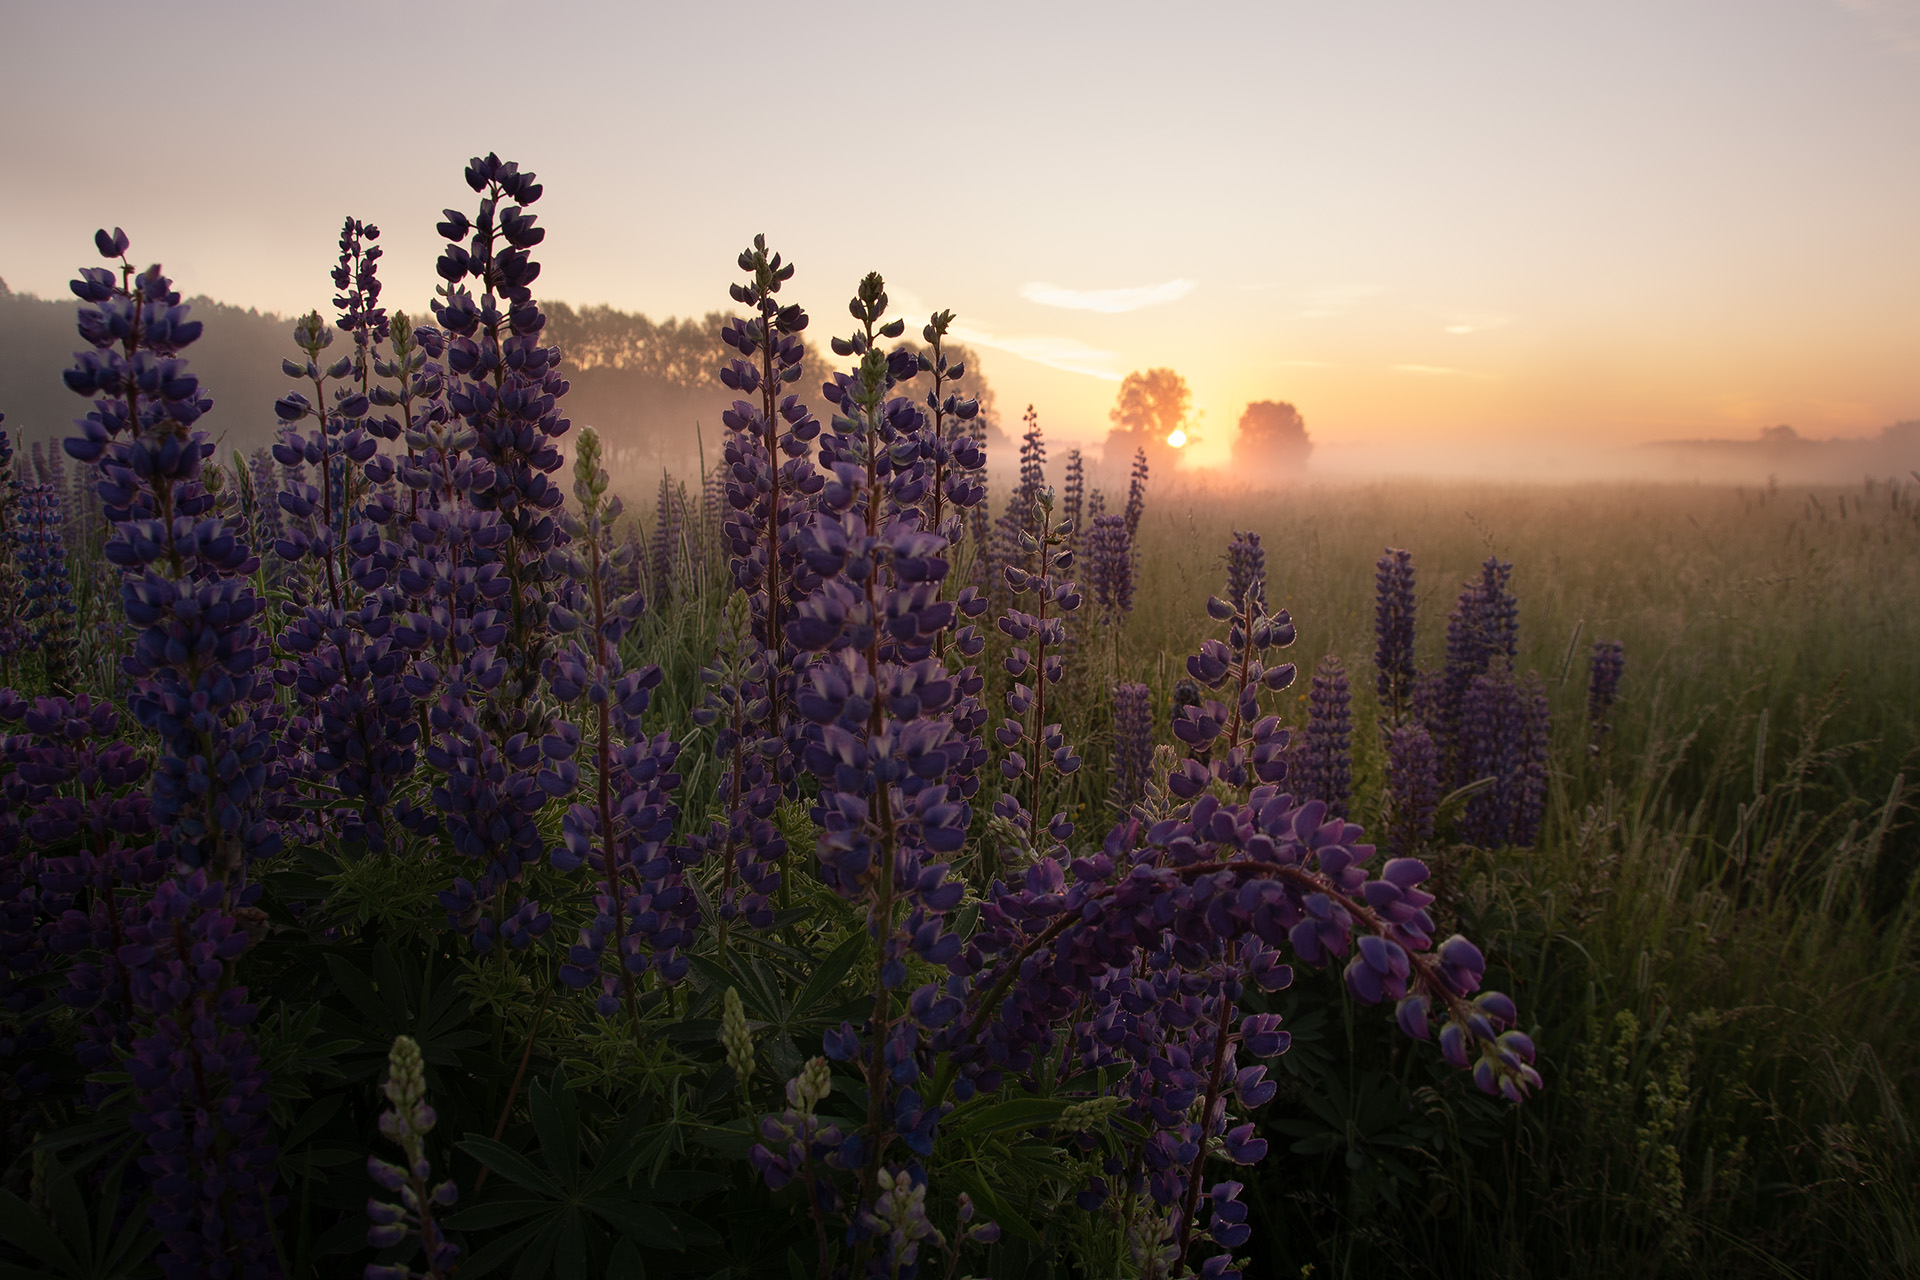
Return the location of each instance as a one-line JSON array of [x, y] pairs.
[[1151, 406], [1272, 439]]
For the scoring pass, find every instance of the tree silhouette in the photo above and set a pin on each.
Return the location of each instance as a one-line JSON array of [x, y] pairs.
[[1272, 439], [1151, 406]]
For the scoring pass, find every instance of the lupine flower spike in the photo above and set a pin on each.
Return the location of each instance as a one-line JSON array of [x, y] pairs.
[[410, 1218]]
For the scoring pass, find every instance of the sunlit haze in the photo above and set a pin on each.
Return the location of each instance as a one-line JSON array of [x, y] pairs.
[[1491, 224]]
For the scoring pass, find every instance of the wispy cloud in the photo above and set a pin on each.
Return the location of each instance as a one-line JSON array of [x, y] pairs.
[[1110, 301], [1465, 322], [1895, 23], [1068, 354]]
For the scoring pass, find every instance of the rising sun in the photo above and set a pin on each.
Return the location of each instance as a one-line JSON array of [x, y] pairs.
[[1178, 439]]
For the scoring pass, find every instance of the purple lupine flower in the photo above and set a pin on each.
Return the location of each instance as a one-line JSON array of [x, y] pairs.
[[771, 475], [1326, 751], [411, 1217], [1109, 552], [1603, 686], [1482, 637], [1132, 744], [1413, 788], [664, 546], [644, 906], [13, 632], [1254, 746], [957, 492], [1073, 492], [46, 590], [1393, 632], [1137, 493], [877, 701], [200, 1091], [1246, 571], [358, 302], [195, 654], [1146, 947], [346, 668], [1046, 630], [506, 386], [1503, 741], [737, 708]]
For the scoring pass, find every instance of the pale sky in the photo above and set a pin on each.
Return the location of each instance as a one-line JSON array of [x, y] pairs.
[[1422, 221]]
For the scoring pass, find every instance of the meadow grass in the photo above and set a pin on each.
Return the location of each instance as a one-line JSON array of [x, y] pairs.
[[1715, 936]]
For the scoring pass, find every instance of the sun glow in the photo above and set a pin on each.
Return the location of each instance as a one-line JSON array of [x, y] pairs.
[[1178, 439]]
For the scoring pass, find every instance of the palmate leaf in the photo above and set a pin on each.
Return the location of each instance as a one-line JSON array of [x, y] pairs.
[[76, 1245], [568, 1217]]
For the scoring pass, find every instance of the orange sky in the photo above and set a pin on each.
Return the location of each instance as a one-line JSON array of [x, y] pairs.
[[1481, 221]]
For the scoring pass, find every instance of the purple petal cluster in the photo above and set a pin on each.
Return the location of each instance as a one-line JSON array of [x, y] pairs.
[[1412, 790], [46, 589], [1324, 759], [1136, 493], [201, 1091], [1235, 744], [1034, 746], [1608, 664], [1109, 552], [1132, 744], [1504, 734], [1393, 631]]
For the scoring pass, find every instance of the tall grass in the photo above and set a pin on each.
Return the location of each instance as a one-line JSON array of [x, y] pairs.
[[1716, 932]]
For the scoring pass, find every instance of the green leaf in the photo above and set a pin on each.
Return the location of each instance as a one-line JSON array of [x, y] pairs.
[[496, 1213], [556, 1121], [499, 1251], [22, 1227], [637, 1221], [509, 1164], [1004, 1117], [828, 973]]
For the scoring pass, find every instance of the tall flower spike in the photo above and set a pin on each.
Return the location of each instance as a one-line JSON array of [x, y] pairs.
[[1503, 741], [506, 386], [184, 586], [1132, 745], [46, 588], [1055, 597], [1235, 744], [1413, 789], [1608, 664], [771, 475], [1137, 493], [1074, 494], [1482, 637], [1326, 751], [643, 906], [877, 702], [410, 1218], [738, 708], [1393, 632]]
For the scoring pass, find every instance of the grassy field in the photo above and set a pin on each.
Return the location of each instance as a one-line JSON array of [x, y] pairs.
[[1716, 934]]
